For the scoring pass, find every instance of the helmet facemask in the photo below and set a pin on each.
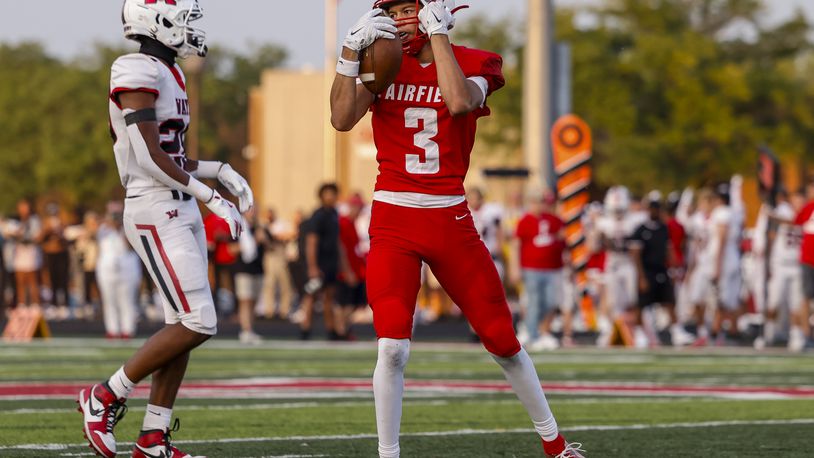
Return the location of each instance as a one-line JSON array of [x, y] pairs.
[[194, 38], [170, 24], [414, 45]]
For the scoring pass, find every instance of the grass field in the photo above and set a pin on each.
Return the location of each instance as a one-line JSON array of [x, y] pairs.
[[287, 399]]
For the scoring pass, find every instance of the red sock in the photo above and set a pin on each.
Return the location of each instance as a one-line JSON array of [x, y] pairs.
[[554, 447]]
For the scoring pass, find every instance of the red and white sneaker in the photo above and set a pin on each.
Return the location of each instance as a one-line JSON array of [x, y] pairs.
[[102, 410], [559, 448], [157, 443]]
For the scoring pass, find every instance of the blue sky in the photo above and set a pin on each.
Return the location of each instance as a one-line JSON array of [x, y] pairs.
[[67, 27]]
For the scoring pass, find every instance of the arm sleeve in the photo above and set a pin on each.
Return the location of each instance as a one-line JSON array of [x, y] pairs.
[[683, 210], [134, 73], [145, 160]]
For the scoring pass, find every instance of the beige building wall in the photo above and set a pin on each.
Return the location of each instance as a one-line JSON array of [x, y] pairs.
[[286, 150]]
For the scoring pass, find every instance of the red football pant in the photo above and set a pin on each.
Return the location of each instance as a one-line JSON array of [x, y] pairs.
[[446, 239]]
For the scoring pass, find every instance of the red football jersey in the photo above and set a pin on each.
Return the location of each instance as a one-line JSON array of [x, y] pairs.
[[540, 244], [421, 147], [805, 219]]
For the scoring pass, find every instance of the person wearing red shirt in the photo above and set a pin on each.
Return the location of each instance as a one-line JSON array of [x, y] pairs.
[[424, 128], [801, 329], [350, 295], [223, 252], [542, 244]]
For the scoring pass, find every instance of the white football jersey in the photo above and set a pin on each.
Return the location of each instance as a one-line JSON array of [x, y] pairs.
[[145, 73], [722, 216], [487, 221], [787, 240], [618, 232]]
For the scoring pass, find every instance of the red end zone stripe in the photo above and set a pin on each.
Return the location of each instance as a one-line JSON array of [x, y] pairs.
[[170, 270], [229, 388]]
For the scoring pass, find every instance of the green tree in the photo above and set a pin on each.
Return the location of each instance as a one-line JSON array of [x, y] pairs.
[[676, 91], [55, 143]]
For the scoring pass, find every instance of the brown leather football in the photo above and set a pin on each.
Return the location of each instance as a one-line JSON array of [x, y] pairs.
[[379, 64]]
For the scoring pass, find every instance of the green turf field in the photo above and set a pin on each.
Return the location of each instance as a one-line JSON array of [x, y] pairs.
[[279, 400]]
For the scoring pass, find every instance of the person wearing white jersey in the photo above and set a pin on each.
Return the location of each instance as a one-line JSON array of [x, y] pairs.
[[785, 288], [118, 274], [615, 228], [700, 285], [488, 219], [724, 256], [149, 115]]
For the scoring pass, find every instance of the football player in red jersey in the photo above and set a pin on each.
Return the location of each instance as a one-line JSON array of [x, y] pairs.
[[424, 128]]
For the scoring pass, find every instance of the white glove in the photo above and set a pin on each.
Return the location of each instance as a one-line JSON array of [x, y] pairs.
[[238, 186], [224, 209], [371, 26], [436, 19]]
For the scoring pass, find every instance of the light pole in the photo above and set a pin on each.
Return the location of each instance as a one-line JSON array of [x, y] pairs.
[[194, 67], [537, 90]]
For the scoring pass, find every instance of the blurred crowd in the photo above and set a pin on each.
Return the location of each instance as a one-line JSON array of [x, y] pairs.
[[680, 269]]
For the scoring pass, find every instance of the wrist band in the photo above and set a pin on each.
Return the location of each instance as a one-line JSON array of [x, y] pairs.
[[347, 68]]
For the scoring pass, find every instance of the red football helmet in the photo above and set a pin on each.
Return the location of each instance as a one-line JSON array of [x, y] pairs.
[[415, 44]]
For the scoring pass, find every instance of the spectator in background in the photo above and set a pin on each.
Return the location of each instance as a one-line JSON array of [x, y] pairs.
[[223, 255], [488, 222], [27, 258], [55, 252], [119, 276], [351, 292], [542, 244], [323, 256], [800, 331], [87, 249], [784, 289], [249, 276], [3, 271], [652, 250], [273, 238]]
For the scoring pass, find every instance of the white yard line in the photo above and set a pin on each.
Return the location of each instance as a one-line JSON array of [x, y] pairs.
[[304, 405], [460, 432]]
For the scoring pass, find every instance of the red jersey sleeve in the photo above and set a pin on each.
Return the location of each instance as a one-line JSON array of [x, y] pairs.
[[804, 215]]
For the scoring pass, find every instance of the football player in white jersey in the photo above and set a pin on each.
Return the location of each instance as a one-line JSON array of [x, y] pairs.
[[615, 228], [488, 222], [719, 262], [149, 114], [785, 288]]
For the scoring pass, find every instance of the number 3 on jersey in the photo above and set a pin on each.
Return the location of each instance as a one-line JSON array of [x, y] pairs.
[[423, 139]]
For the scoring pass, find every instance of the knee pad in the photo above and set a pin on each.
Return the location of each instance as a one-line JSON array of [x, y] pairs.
[[202, 317], [394, 353]]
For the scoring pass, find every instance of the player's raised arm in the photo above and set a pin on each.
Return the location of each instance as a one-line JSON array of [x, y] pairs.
[[350, 101], [461, 94]]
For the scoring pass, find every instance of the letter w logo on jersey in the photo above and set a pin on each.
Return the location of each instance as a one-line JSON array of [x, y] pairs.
[[153, 2], [172, 213]]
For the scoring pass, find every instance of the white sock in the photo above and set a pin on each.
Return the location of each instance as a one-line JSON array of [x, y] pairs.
[[520, 373], [120, 385], [388, 389], [703, 332], [156, 417], [768, 331]]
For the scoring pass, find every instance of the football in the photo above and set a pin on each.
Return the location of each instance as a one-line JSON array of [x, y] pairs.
[[379, 64]]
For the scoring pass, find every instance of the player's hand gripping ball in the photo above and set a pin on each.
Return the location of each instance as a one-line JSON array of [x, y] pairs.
[[379, 64]]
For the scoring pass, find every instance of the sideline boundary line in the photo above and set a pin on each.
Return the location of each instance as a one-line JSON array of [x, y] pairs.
[[460, 432]]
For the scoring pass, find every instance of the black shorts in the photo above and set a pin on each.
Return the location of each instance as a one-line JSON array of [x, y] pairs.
[[659, 289], [351, 296], [808, 281]]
